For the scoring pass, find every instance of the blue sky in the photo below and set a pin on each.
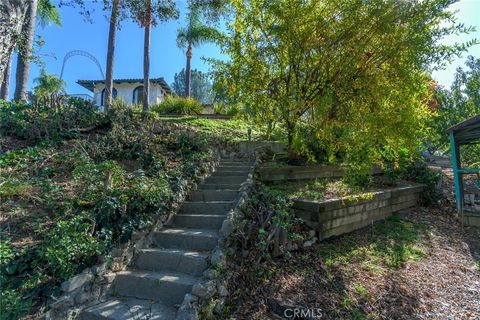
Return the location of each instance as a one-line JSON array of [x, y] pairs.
[[166, 58]]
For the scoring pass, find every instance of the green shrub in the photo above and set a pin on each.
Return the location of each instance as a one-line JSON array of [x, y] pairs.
[[48, 120], [228, 110], [13, 305], [178, 105], [71, 245], [420, 173]]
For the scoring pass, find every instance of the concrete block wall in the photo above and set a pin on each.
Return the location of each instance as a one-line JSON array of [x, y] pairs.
[[338, 216]]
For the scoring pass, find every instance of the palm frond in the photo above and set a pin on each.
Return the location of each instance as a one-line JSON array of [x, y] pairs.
[[47, 13]]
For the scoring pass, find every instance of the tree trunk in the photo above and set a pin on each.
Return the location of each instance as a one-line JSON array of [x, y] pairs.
[[187, 71], [110, 55], [12, 14], [146, 60], [23, 61], [5, 87], [290, 153]]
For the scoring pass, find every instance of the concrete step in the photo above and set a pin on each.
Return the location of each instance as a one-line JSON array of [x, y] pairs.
[[206, 207], [233, 168], [185, 239], [188, 262], [229, 179], [236, 163], [230, 173], [168, 287], [128, 309], [213, 195], [199, 221], [219, 186]]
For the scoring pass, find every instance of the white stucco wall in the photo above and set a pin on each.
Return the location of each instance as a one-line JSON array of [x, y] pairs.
[[125, 90]]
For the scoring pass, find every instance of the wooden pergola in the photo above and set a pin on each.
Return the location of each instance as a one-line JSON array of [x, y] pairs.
[[464, 133]]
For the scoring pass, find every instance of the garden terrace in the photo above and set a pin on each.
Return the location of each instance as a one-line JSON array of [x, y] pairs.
[[66, 202]]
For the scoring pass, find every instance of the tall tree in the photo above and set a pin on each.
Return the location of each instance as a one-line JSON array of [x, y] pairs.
[[354, 72], [45, 12], [112, 32], [5, 85], [148, 13], [194, 34], [12, 14], [201, 86], [23, 62]]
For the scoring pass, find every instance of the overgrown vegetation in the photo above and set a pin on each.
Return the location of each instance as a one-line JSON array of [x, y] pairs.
[[232, 130], [49, 118], [65, 202], [178, 105]]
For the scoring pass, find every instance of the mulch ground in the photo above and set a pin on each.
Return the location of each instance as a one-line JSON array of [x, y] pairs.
[[443, 284]]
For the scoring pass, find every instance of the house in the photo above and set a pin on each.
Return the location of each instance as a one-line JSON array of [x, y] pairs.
[[131, 90]]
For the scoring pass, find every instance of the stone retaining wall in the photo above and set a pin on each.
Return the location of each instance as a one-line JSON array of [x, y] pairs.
[[338, 216]]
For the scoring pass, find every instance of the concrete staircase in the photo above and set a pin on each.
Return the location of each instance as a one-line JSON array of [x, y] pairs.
[[160, 276]]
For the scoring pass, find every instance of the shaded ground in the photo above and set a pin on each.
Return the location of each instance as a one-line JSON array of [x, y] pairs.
[[418, 265]]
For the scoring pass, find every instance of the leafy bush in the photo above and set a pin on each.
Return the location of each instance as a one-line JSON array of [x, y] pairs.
[[267, 214], [49, 119], [228, 110], [178, 105], [71, 245], [420, 173]]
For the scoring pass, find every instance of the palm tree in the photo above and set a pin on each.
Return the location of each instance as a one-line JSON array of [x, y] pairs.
[[5, 85], [112, 32], [23, 61], [194, 34], [48, 84], [148, 13], [47, 13]]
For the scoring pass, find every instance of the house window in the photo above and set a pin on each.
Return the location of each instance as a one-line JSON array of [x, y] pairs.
[[102, 100], [138, 95]]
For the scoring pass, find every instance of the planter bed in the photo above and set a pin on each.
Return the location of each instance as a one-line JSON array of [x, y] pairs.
[[334, 217], [269, 173]]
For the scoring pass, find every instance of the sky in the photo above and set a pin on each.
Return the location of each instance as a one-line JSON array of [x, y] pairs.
[[165, 57]]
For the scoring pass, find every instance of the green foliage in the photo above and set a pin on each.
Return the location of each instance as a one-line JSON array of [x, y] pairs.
[[70, 246], [420, 173], [178, 105], [266, 213], [48, 84], [13, 305], [355, 82], [457, 104], [232, 130], [13, 187], [228, 110], [52, 119], [48, 13], [200, 85], [196, 32], [318, 189]]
